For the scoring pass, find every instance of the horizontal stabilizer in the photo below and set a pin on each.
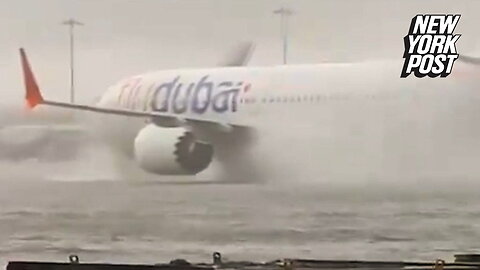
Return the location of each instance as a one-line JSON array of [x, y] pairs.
[[469, 59], [240, 56]]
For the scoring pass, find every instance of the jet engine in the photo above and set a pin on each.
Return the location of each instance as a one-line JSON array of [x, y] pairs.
[[171, 151]]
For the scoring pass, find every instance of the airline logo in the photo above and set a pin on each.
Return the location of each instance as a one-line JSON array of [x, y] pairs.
[[198, 97], [430, 48]]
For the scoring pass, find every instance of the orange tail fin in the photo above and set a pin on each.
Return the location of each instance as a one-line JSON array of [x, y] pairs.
[[33, 95]]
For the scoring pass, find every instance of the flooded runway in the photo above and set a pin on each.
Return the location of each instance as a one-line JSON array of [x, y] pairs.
[[115, 221]]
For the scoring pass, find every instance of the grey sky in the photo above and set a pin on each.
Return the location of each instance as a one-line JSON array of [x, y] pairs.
[[126, 37]]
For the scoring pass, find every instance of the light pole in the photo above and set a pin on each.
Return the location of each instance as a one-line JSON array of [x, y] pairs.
[[284, 13], [72, 23]]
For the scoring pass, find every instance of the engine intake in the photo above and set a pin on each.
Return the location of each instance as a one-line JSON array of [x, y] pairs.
[[171, 151]]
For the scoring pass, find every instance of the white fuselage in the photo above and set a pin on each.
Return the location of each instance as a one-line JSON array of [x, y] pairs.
[[353, 111]]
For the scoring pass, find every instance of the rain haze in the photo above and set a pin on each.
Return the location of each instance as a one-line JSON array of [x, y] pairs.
[[343, 190], [121, 38]]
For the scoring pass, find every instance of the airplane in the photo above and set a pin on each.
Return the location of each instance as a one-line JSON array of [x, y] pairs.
[[176, 122]]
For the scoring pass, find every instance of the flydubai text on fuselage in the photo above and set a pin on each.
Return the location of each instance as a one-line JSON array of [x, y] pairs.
[[179, 97]]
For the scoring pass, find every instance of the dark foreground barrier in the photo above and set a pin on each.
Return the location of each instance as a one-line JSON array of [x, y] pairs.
[[75, 264], [462, 262]]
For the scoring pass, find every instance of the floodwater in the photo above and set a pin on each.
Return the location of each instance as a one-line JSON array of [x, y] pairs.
[[145, 222]]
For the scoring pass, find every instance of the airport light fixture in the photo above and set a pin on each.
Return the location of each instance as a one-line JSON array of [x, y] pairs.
[[71, 27], [284, 14]]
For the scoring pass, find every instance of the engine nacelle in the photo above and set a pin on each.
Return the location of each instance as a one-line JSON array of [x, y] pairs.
[[171, 151]]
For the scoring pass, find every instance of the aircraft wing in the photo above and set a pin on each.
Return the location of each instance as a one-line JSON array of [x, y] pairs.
[[34, 98], [469, 59]]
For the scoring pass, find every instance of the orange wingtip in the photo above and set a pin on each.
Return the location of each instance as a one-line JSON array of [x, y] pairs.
[[32, 92]]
